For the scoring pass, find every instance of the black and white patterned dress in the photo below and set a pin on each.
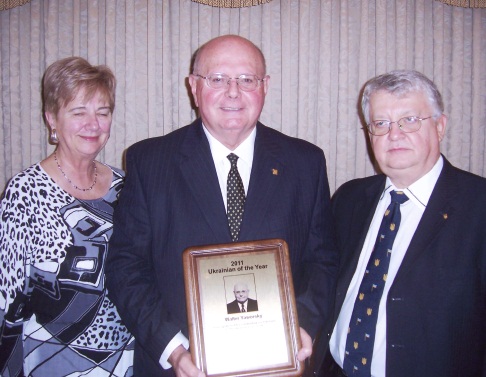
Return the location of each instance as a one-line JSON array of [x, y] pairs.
[[56, 318]]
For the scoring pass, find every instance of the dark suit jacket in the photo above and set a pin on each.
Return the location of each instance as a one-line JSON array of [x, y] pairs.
[[436, 307], [172, 200], [234, 307]]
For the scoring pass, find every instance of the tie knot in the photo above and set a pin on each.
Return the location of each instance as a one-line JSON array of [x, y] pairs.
[[232, 158], [398, 197]]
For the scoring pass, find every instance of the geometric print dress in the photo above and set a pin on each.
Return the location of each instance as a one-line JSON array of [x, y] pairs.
[[56, 318]]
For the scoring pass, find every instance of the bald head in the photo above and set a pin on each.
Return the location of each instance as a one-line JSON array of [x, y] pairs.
[[224, 42]]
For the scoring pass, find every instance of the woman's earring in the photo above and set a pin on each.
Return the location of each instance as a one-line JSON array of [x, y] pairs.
[[53, 138]]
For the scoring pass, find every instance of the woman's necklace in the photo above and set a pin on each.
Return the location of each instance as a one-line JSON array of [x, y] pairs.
[[71, 182]]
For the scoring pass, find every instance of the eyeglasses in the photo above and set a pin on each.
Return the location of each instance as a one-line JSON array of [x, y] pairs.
[[406, 124], [247, 83]]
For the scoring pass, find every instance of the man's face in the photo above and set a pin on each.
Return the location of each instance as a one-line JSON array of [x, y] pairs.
[[229, 114], [406, 157], [241, 292]]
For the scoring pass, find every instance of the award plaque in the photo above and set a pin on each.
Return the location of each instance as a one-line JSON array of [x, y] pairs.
[[260, 337]]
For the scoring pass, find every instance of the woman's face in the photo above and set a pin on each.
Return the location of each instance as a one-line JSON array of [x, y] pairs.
[[83, 125]]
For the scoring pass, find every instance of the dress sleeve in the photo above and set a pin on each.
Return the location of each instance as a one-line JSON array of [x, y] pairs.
[[14, 241]]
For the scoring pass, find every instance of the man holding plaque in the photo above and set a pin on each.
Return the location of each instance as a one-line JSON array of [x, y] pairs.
[[224, 178]]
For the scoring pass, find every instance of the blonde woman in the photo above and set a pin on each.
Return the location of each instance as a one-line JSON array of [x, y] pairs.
[[56, 220]]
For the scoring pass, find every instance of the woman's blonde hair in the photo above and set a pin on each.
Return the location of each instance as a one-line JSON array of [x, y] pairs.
[[64, 78]]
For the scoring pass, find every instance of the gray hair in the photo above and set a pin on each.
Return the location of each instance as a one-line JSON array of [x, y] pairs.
[[400, 83]]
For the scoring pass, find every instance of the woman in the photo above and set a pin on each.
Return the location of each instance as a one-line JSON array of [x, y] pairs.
[[56, 220]]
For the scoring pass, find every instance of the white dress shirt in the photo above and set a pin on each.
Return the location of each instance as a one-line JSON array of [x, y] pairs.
[[219, 152], [244, 151], [411, 211]]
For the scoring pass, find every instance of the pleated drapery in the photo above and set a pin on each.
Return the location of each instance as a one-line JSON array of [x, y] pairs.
[[319, 54]]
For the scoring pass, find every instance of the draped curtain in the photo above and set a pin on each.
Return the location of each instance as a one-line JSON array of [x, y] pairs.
[[319, 54]]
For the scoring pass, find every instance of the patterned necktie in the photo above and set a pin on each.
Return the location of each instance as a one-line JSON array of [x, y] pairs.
[[243, 308], [235, 198], [362, 326]]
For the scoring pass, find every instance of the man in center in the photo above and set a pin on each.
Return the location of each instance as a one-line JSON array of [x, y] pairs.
[[224, 178]]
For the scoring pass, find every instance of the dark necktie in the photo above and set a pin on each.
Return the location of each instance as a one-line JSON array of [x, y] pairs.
[[243, 308], [235, 198], [362, 326]]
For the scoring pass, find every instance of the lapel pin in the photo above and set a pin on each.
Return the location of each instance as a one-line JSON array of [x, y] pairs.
[[444, 215], [274, 171]]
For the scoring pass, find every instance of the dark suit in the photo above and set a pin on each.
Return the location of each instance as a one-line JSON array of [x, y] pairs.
[[235, 307], [436, 307], [172, 200]]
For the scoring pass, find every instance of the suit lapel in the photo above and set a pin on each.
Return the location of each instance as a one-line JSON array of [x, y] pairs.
[[198, 169], [439, 210], [266, 176], [360, 220]]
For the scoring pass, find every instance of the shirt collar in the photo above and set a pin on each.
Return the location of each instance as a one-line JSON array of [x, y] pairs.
[[244, 151], [420, 191]]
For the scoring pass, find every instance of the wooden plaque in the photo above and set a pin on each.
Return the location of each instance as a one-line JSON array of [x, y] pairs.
[[261, 341]]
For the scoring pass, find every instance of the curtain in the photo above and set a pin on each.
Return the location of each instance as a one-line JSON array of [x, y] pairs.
[[319, 54]]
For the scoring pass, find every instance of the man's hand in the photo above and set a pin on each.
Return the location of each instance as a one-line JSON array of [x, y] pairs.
[[306, 349], [181, 361]]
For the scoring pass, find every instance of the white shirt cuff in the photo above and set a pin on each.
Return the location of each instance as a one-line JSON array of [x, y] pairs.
[[177, 340]]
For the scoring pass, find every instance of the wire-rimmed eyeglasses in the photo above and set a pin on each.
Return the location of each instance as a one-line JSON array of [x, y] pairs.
[[247, 83], [406, 124]]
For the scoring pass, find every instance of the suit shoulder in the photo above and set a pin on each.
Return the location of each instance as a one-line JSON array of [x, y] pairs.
[[470, 184], [173, 137], [289, 141], [345, 198], [469, 177], [357, 185], [301, 157]]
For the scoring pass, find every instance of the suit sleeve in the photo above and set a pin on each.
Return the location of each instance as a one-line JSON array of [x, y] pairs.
[[315, 296], [130, 275]]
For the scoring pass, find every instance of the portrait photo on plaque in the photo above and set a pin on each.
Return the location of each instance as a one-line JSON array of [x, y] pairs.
[[240, 297], [241, 309]]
